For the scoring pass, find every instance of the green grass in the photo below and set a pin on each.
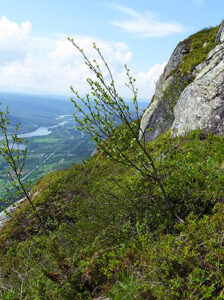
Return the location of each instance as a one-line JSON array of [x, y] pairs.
[[45, 140], [107, 227], [185, 265], [200, 44]]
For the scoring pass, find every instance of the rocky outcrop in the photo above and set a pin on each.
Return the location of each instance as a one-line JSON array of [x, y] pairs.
[[6, 214], [95, 152], [220, 34], [189, 99], [201, 105], [159, 116]]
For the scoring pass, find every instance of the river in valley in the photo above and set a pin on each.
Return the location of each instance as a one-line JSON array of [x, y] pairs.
[[42, 131]]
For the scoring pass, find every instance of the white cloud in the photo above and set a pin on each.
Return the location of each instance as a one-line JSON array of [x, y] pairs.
[[116, 54], [146, 24], [13, 39], [47, 65], [13, 34], [145, 81]]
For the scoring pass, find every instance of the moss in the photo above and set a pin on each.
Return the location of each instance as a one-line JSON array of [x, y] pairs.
[[199, 44], [170, 96]]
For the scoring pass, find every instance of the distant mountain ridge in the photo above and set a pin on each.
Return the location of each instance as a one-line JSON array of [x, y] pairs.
[[34, 111]]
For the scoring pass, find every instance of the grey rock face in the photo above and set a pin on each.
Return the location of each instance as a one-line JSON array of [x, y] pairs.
[[6, 214], [95, 152], [201, 105], [185, 106], [178, 53], [153, 117], [220, 34], [159, 115]]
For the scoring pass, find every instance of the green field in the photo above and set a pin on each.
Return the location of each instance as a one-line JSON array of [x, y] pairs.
[[46, 140], [60, 149]]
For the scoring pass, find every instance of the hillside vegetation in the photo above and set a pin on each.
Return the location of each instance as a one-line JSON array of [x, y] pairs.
[[199, 45], [135, 221], [108, 233]]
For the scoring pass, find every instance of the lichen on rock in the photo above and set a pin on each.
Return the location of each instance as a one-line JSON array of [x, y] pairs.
[[159, 115], [189, 93], [201, 105]]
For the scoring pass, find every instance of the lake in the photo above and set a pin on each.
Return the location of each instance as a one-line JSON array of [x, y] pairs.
[[43, 131], [38, 132]]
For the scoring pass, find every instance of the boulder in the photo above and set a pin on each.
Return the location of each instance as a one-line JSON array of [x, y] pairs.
[[201, 104]]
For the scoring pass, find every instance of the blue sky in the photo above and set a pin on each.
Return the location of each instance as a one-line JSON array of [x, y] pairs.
[[35, 56]]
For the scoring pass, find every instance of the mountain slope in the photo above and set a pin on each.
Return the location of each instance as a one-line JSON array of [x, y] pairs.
[[106, 226], [107, 229]]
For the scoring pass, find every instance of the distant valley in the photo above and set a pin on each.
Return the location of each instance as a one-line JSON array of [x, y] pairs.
[[53, 140], [35, 111]]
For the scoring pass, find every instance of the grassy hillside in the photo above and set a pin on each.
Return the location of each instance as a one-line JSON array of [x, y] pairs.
[[107, 230], [155, 231]]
